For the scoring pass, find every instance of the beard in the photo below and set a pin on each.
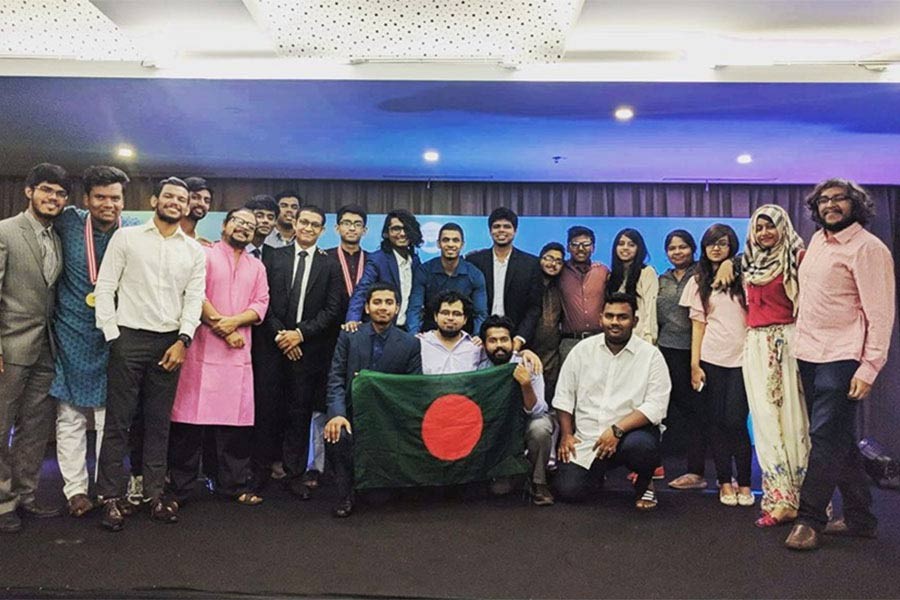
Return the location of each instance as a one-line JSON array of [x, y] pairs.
[[236, 244], [500, 356], [840, 225], [166, 218], [449, 333]]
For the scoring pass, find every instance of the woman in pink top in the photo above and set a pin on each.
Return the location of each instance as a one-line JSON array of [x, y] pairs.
[[718, 329], [771, 376]]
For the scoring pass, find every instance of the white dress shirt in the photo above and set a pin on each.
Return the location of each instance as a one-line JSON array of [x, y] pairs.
[[600, 388], [307, 268], [160, 282], [499, 284], [437, 359], [404, 266]]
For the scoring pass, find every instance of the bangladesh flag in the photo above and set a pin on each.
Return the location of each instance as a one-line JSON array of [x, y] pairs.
[[420, 430]]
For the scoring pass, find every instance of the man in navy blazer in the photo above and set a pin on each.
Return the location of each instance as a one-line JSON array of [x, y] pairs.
[[395, 264], [377, 345], [512, 278]]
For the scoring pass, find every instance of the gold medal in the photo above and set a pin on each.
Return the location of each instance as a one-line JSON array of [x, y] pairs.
[[90, 300]]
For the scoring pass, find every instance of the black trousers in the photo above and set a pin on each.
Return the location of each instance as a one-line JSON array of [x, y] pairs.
[[687, 417], [136, 382], [306, 390], [725, 399], [834, 459], [269, 410], [340, 457], [187, 442], [638, 451]]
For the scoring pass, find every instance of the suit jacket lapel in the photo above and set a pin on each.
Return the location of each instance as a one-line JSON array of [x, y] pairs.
[[31, 240], [318, 263], [395, 269], [510, 271]]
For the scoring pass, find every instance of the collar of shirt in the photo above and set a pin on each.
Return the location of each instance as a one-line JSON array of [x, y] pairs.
[[150, 225], [309, 251], [383, 335], [432, 338], [843, 236], [630, 347], [580, 268], [36, 225], [462, 267], [501, 262], [250, 248], [402, 260], [670, 273]]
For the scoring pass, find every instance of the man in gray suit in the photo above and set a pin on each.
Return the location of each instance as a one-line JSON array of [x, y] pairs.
[[30, 262]]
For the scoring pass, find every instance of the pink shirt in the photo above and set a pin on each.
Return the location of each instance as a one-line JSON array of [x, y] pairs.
[[847, 301], [726, 325], [582, 297], [216, 382]]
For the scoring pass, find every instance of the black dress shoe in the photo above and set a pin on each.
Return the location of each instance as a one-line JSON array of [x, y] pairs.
[[802, 537], [10, 522], [839, 527], [164, 510], [343, 510], [39, 512], [299, 489], [113, 519]]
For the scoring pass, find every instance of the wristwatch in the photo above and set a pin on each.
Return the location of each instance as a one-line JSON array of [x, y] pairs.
[[617, 431], [185, 339]]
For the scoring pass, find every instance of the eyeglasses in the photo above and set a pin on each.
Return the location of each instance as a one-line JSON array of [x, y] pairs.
[[550, 259], [723, 244], [49, 191], [824, 200], [397, 228], [580, 245], [351, 224], [307, 223], [452, 313], [243, 223]]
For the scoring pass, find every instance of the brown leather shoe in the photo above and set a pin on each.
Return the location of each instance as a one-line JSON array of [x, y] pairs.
[[80, 505], [802, 537], [839, 527]]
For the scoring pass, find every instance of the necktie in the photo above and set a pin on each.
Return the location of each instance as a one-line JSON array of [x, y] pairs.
[[256, 252], [296, 285], [48, 254]]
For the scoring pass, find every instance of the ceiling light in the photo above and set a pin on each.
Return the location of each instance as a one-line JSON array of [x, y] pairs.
[[124, 152], [744, 159], [431, 156], [624, 113]]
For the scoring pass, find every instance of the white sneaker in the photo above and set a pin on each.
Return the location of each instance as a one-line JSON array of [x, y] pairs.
[[135, 493]]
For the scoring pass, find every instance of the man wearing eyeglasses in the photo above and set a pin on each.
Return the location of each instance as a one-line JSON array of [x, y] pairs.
[[214, 401], [30, 263], [302, 322], [845, 316], [283, 233], [582, 285]]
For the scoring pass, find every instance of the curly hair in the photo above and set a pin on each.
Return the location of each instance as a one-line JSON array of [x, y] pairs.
[[862, 211]]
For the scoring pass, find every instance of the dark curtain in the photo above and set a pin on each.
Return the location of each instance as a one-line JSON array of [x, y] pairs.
[[880, 414]]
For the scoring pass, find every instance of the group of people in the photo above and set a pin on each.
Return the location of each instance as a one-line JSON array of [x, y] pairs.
[[235, 359]]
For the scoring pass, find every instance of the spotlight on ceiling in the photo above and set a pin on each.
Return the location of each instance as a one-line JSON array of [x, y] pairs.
[[431, 156], [744, 159], [624, 113], [125, 152]]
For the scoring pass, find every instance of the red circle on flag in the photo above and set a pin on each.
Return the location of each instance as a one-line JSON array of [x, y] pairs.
[[452, 427]]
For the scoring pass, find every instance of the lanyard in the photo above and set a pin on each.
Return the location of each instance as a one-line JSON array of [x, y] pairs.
[[89, 251], [349, 283]]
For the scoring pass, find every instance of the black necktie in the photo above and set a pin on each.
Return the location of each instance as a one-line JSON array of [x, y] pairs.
[[295, 288], [256, 252]]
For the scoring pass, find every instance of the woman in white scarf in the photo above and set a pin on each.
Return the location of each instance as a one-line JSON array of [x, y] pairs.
[[780, 424]]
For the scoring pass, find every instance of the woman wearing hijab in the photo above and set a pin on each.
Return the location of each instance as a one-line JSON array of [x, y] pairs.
[[771, 376]]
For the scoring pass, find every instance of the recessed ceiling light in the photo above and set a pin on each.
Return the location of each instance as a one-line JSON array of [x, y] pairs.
[[624, 113], [744, 159], [124, 152], [431, 156]]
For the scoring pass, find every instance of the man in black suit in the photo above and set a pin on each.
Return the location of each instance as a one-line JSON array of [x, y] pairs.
[[302, 321], [512, 277], [378, 346]]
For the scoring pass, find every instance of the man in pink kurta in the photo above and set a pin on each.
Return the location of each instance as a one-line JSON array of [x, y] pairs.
[[215, 390], [846, 313]]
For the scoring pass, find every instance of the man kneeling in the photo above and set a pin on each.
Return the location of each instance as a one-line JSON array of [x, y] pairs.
[[612, 393], [377, 346]]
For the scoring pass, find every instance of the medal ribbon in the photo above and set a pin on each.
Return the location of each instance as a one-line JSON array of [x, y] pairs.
[[349, 283], [89, 251]]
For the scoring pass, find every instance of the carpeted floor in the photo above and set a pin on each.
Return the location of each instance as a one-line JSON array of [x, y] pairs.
[[433, 546]]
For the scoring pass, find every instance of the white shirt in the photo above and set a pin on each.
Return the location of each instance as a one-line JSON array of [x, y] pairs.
[[160, 282], [437, 359], [600, 388], [499, 284], [404, 266], [307, 267], [275, 240]]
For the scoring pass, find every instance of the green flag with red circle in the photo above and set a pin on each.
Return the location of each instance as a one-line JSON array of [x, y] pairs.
[[424, 430]]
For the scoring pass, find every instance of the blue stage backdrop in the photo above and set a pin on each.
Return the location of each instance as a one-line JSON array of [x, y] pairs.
[[532, 234]]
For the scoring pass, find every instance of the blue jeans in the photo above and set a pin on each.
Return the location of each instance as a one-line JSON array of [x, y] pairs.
[[638, 451], [834, 459]]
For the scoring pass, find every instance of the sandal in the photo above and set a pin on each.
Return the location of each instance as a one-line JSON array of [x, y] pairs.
[[647, 501], [688, 481], [249, 499]]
